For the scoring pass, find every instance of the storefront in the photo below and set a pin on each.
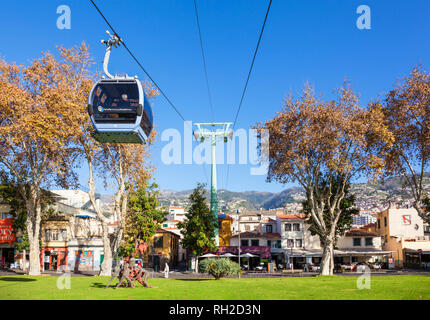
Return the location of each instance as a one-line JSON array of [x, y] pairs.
[[417, 258], [301, 257], [261, 253], [85, 254], [54, 259]]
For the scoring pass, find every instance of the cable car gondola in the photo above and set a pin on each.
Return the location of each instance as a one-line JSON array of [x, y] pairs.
[[118, 107]]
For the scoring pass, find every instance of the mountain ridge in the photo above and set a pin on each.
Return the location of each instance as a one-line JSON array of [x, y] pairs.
[[369, 197]]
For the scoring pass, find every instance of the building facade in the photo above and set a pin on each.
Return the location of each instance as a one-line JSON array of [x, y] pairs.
[[163, 248], [402, 231], [7, 236]]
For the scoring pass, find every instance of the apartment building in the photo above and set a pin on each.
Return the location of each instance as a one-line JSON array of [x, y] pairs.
[[402, 231]]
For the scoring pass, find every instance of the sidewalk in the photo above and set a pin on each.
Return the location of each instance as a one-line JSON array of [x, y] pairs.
[[175, 274]]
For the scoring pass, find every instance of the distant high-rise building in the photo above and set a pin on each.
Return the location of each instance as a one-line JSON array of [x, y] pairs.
[[363, 219]]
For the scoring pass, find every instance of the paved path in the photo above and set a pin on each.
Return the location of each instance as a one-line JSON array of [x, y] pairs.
[[190, 275]]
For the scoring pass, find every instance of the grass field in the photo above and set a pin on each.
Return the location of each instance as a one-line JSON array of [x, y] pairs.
[[335, 287]]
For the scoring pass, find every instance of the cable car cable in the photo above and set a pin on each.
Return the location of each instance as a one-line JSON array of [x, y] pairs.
[[252, 63], [204, 59], [247, 79], [137, 61]]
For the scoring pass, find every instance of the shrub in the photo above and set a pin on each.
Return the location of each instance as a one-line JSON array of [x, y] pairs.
[[219, 267]]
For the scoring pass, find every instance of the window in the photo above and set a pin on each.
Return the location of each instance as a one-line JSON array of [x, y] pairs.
[[244, 243], [379, 224], [356, 242], [288, 227], [108, 98], [269, 243], [296, 227], [279, 244], [290, 243], [369, 242], [63, 235], [269, 228], [47, 235], [299, 243], [54, 234], [255, 243], [385, 221], [158, 242]]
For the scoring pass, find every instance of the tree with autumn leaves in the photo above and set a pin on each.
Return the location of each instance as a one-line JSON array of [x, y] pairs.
[[315, 142], [45, 133], [406, 111], [36, 147]]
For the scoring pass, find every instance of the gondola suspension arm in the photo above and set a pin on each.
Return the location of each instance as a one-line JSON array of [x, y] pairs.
[[114, 41]]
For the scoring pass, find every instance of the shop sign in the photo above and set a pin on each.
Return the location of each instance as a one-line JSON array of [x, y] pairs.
[[6, 231]]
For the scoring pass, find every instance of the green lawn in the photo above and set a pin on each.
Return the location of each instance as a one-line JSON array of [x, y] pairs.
[[335, 287]]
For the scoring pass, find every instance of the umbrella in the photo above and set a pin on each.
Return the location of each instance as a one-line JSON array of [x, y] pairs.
[[228, 255], [208, 255], [248, 255]]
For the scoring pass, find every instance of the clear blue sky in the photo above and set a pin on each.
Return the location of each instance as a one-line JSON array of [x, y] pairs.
[[304, 41]]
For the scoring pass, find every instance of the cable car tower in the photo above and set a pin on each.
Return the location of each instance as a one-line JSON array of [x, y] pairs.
[[216, 129]]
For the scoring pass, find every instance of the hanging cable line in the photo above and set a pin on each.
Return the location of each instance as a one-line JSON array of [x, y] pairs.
[[138, 62], [252, 63], [247, 79], [204, 59]]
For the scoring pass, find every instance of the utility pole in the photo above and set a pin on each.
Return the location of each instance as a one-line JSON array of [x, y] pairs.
[[216, 129]]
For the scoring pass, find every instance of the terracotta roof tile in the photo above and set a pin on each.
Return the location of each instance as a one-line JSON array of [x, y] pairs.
[[272, 235], [360, 233], [292, 216]]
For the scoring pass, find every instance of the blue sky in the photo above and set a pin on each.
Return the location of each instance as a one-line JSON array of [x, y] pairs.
[[304, 41]]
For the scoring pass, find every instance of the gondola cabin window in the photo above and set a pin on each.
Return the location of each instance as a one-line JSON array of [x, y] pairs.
[[116, 103]]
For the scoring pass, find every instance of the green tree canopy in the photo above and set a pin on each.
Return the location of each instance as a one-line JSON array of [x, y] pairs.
[[10, 195], [143, 218], [198, 228]]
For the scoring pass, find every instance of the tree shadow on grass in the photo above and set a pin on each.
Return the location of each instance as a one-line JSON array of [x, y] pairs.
[[16, 279], [102, 285]]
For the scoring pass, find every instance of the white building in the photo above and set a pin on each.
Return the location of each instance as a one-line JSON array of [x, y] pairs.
[[363, 219], [176, 213]]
